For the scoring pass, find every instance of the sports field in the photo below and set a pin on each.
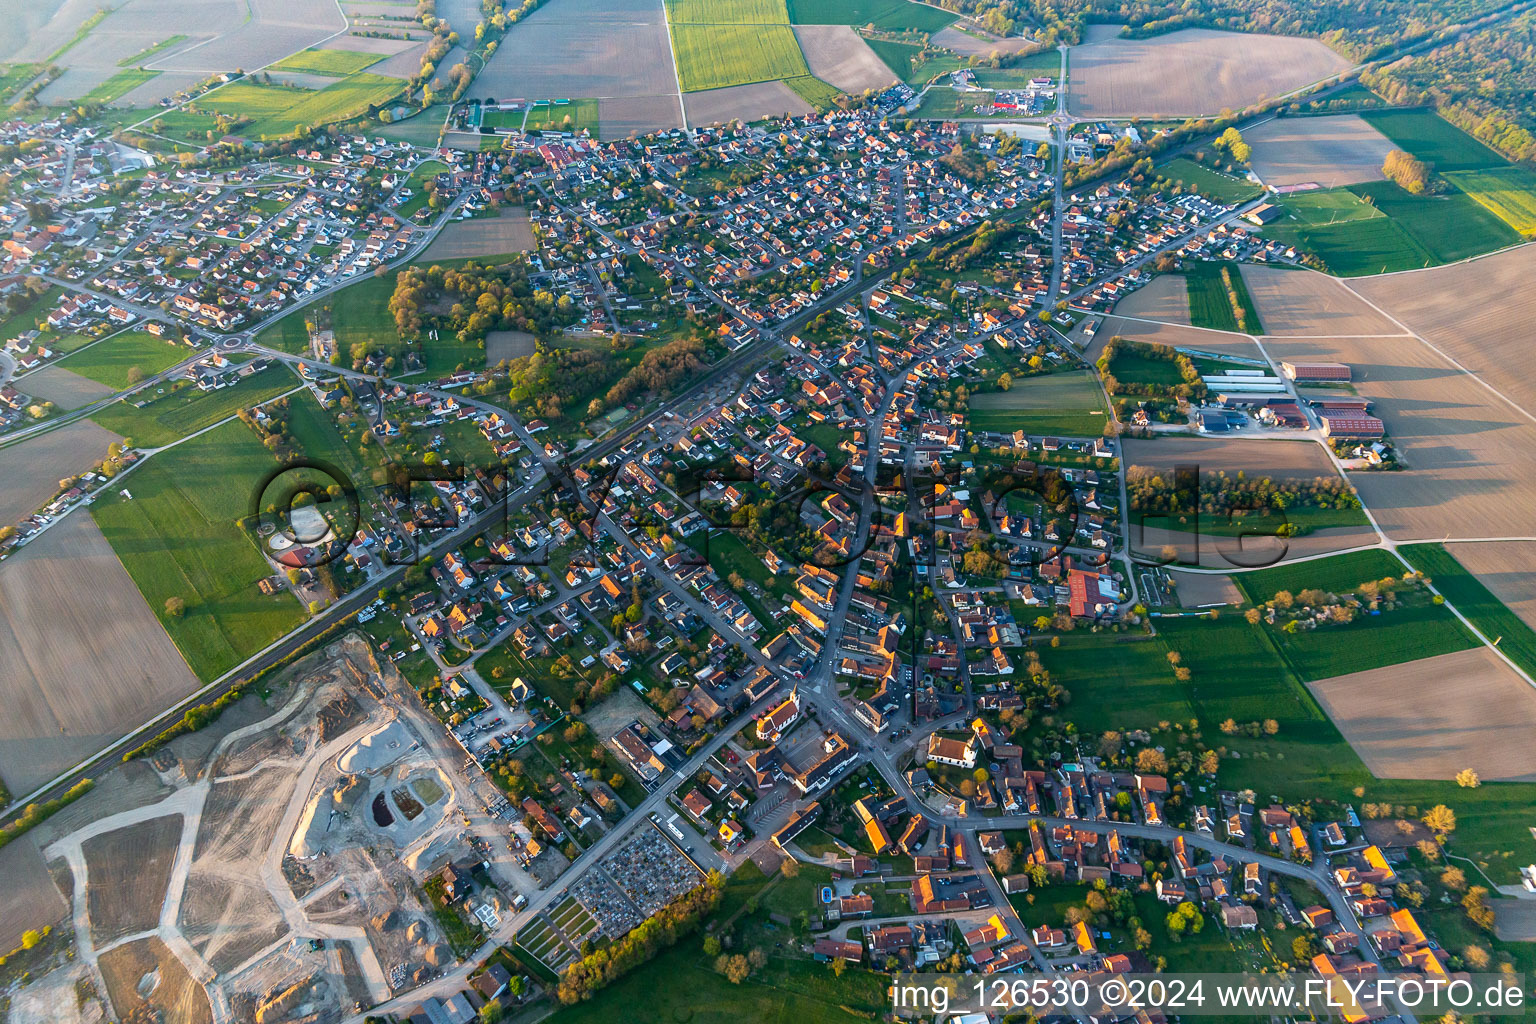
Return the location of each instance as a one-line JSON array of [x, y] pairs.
[[722, 43], [1509, 193], [177, 537], [125, 358], [1068, 403], [339, 63]]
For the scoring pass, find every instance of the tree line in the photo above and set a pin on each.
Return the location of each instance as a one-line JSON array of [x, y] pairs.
[[602, 967]]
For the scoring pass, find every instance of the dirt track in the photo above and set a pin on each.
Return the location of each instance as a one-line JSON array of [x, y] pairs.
[[85, 658], [1192, 71], [1431, 718]]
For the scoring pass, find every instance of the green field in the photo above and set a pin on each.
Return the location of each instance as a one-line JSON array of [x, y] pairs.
[[1067, 403], [338, 63], [1133, 368], [894, 15], [1391, 638], [185, 410], [1350, 236], [1340, 574], [1214, 185], [902, 58], [1431, 138], [1236, 673], [112, 362], [1449, 227], [1485, 611], [118, 85], [721, 43], [421, 129], [1117, 682], [316, 432], [814, 91], [277, 111], [582, 113], [1509, 193], [1209, 305], [177, 537], [149, 51], [14, 76]]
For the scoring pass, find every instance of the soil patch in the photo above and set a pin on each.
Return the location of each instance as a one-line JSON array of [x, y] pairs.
[[746, 102], [1203, 590], [1327, 151], [128, 871], [483, 236], [1304, 302], [28, 899], [838, 56], [1166, 298], [176, 996]]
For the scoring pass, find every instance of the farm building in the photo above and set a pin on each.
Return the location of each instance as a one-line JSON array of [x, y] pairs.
[[1353, 426], [1316, 371]]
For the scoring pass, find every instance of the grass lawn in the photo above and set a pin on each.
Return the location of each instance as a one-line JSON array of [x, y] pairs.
[[946, 103], [112, 362], [1433, 139], [317, 433], [1476, 602], [1209, 305], [359, 314], [1450, 227], [1339, 574], [902, 58], [1214, 185], [1236, 673], [119, 84], [1509, 193], [339, 63], [896, 15], [721, 43], [420, 129], [277, 111], [814, 91], [1391, 638], [1117, 682], [184, 410], [582, 114], [1045, 64], [1068, 403], [177, 537], [1133, 368]]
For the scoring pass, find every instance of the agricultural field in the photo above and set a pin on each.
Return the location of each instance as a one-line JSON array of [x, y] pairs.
[[972, 42], [1339, 574], [1301, 302], [1449, 227], [602, 49], [1124, 683], [337, 63], [1174, 336], [118, 86], [1166, 298], [1209, 304], [87, 660], [129, 869], [1431, 138], [903, 59], [1068, 403], [574, 116], [1214, 185], [837, 55], [1509, 193], [33, 468], [479, 238], [1327, 151], [1236, 673], [244, 35], [747, 102], [124, 359], [1480, 717], [177, 537], [1191, 71], [732, 42], [1475, 595], [1467, 452], [185, 410], [29, 898], [277, 111], [892, 15]]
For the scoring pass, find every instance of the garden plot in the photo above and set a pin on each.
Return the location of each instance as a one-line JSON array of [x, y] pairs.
[[612, 50], [1326, 151], [1469, 454], [1431, 718], [86, 659], [1192, 71], [838, 56], [1306, 303], [1166, 298], [744, 102]]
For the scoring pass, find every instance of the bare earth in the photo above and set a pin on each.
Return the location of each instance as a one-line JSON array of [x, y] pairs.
[[61, 387], [483, 236], [967, 45], [32, 470], [28, 899], [1303, 302], [1507, 569], [838, 56], [1166, 298], [128, 870], [86, 660], [1192, 71], [747, 102], [1482, 717], [1173, 335], [501, 345], [180, 998], [1470, 455], [615, 50], [1478, 313], [253, 33], [1328, 151], [1202, 590]]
